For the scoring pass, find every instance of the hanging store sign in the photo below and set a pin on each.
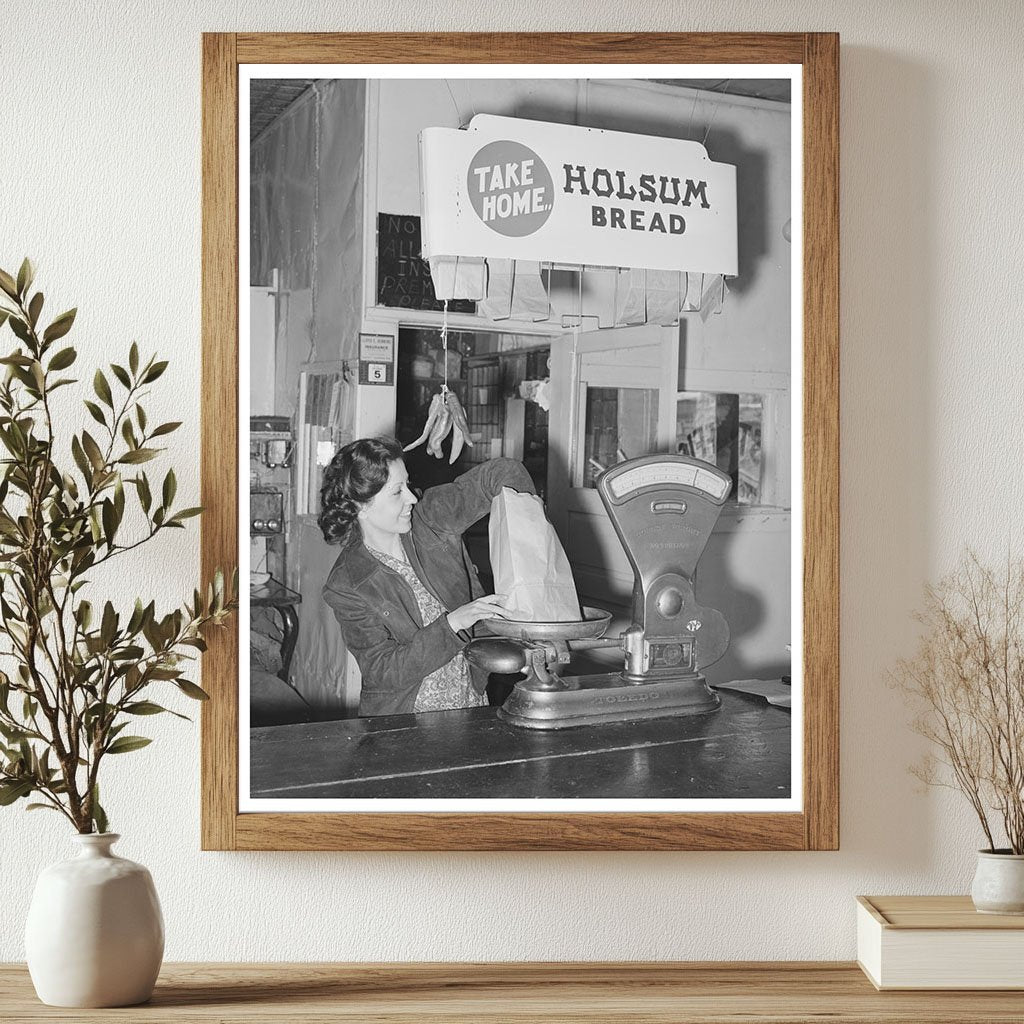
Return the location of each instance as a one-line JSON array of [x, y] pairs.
[[531, 190]]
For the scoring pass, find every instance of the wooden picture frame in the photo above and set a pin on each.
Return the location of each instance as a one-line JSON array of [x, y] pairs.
[[816, 826]]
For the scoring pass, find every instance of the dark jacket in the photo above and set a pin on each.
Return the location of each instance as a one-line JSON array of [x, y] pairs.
[[376, 608]]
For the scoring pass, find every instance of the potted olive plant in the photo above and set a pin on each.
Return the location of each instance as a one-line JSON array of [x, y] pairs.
[[967, 682], [80, 672]]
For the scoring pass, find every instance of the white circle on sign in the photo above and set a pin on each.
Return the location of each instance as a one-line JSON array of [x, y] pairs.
[[510, 188]]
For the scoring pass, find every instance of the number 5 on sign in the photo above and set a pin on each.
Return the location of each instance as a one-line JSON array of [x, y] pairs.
[[376, 359]]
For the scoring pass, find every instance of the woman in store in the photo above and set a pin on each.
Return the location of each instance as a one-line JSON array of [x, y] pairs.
[[403, 588]]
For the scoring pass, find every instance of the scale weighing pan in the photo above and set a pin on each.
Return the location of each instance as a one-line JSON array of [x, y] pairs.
[[594, 624]]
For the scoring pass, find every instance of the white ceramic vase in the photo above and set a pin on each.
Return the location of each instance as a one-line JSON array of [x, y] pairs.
[[95, 934], [999, 883]]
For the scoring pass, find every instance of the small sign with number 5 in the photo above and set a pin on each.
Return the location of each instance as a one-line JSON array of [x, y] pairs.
[[376, 359]]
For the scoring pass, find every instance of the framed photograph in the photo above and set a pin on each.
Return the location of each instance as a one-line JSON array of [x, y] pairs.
[[520, 418]]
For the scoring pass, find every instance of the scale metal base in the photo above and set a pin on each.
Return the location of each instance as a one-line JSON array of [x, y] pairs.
[[596, 699]]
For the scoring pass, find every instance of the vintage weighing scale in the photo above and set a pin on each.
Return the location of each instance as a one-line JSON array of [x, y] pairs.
[[663, 508]]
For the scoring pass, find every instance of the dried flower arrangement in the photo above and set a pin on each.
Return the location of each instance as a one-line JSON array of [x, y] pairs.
[[967, 679]]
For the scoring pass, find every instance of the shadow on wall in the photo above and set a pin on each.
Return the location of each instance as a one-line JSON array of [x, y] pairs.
[[746, 610], [752, 205], [889, 302]]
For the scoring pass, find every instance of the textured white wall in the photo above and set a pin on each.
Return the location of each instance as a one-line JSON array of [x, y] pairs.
[[99, 181]]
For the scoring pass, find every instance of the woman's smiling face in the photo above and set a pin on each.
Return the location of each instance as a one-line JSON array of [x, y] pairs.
[[389, 511]]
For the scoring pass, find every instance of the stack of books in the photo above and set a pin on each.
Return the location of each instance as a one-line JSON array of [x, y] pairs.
[[938, 942]]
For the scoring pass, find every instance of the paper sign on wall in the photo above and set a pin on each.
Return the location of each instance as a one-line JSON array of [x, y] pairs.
[[376, 359]]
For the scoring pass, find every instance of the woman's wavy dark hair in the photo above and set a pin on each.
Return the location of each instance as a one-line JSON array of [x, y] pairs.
[[356, 473]]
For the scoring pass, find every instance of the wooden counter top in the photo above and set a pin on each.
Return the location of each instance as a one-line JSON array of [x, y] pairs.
[[631, 993], [741, 751]]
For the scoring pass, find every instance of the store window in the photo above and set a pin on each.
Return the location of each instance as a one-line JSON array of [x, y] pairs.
[[725, 430], [621, 423], [722, 428]]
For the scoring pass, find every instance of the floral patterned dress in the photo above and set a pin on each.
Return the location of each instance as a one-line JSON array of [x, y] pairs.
[[450, 686]]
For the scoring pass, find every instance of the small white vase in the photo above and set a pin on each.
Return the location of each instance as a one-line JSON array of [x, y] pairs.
[[999, 882], [95, 934]]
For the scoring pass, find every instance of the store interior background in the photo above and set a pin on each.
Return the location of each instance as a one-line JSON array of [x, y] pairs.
[[335, 198], [104, 194]]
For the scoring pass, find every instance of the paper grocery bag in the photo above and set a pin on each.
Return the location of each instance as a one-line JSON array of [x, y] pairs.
[[529, 565]]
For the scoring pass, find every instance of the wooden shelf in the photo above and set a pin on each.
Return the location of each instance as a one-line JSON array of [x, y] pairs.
[[631, 993]]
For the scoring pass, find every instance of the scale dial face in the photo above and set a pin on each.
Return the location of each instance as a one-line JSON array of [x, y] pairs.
[[661, 474]]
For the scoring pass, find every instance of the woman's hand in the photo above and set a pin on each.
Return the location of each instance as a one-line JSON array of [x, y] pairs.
[[489, 607]]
